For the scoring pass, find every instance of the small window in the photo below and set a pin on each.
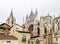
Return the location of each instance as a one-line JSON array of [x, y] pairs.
[[37, 42], [8, 42], [38, 30], [45, 31], [23, 38]]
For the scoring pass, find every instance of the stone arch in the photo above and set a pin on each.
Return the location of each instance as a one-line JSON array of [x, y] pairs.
[[30, 28], [37, 41]]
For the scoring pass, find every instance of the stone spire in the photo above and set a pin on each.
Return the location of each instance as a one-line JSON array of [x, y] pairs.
[[54, 16], [11, 14], [31, 13], [27, 16], [11, 21], [48, 14], [36, 12], [31, 17]]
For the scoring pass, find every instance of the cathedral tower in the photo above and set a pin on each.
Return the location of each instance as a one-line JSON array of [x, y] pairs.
[[11, 21]]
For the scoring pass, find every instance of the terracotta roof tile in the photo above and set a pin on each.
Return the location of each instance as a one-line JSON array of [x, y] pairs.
[[7, 37], [4, 25]]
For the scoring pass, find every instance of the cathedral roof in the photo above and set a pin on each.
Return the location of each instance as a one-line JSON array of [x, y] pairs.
[[48, 16]]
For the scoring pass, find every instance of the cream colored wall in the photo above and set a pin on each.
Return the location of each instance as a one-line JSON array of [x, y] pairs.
[[12, 41], [19, 36]]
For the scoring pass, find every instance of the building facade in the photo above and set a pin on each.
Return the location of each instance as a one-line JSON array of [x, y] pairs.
[[43, 31], [46, 30], [8, 39], [23, 36]]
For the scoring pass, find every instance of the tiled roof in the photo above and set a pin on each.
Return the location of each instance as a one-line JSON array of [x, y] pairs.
[[7, 37], [4, 25]]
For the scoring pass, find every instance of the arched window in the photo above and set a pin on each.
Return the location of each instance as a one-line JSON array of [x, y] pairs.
[[38, 30], [30, 28], [51, 31], [45, 31], [37, 42]]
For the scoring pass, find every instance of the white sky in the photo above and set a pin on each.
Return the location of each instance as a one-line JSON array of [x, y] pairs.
[[22, 7]]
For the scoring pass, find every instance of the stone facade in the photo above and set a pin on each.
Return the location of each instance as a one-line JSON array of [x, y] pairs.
[[43, 31]]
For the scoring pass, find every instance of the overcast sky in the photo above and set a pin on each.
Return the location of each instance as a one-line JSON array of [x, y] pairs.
[[22, 7]]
